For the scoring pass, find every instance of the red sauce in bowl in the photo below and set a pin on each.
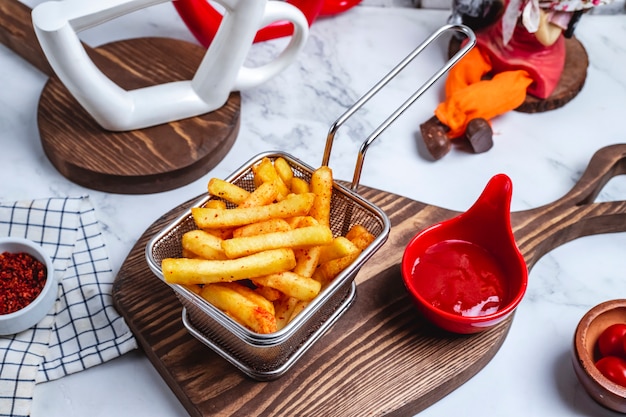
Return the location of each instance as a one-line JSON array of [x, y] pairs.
[[460, 278]]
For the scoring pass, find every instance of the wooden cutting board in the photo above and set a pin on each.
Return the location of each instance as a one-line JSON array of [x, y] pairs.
[[142, 161], [381, 357]]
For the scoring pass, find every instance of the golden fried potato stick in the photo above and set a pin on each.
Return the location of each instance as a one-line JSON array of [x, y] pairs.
[[203, 245], [218, 204], [284, 308], [249, 293], [339, 248], [322, 187], [291, 284], [264, 194], [301, 221], [266, 226], [221, 233], [307, 260], [284, 170], [271, 294], [356, 230], [201, 271], [297, 309], [265, 172], [239, 307], [363, 239], [328, 271], [188, 254], [299, 186], [227, 190], [297, 238], [295, 205]]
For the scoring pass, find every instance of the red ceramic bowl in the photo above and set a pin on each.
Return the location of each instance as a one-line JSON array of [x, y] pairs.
[[466, 274], [600, 388]]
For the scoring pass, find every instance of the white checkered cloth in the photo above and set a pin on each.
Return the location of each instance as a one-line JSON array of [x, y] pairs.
[[84, 329]]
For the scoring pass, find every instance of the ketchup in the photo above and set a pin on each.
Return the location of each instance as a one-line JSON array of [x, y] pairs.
[[460, 277]]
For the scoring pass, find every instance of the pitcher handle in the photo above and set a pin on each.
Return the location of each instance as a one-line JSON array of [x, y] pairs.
[[56, 24]]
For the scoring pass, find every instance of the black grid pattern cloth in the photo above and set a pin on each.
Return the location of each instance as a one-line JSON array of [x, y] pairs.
[[83, 329]]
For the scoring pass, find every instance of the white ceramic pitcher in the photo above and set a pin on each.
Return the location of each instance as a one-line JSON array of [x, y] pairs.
[[221, 71]]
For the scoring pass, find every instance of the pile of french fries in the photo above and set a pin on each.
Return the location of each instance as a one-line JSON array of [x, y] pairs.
[[264, 260]]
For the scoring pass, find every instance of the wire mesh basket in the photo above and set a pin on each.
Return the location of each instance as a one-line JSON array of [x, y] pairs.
[[268, 356], [264, 356]]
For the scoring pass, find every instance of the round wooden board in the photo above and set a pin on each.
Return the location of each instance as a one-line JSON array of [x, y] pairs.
[[149, 160], [571, 82]]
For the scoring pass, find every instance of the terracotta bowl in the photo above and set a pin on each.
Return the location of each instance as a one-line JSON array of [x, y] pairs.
[[601, 389], [37, 309]]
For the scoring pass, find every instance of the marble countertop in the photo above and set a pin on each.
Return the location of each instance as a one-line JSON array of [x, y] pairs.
[[544, 154]]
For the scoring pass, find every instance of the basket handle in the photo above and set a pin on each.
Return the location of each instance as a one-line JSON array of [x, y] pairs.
[[397, 69]]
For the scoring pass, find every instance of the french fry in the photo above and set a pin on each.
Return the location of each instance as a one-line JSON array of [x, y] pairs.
[[201, 271], [221, 233], [299, 186], [250, 294], [291, 284], [283, 309], [297, 309], [266, 172], [218, 204], [340, 247], [328, 271], [322, 187], [305, 221], [271, 294], [301, 221], [356, 230], [227, 190], [188, 254], [240, 307], [307, 260], [296, 205], [263, 171], [264, 194], [203, 245], [297, 238], [363, 239], [267, 226], [284, 170]]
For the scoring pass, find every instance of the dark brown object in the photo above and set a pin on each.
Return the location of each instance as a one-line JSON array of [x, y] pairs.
[[141, 161], [381, 357], [435, 137], [601, 389], [479, 134], [571, 82]]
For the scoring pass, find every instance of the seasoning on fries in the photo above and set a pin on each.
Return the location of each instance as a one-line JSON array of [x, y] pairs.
[[266, 255]]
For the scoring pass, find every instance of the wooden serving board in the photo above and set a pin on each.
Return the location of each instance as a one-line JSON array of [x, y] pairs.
[[142, 161], [381, 357]]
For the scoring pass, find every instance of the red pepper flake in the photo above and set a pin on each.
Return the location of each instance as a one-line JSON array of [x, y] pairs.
[[22, 277]]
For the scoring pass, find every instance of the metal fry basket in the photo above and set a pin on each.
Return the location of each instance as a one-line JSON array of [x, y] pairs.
[[268, 356]]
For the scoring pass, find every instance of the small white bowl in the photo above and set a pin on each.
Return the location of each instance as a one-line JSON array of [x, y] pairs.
[[34, 312]]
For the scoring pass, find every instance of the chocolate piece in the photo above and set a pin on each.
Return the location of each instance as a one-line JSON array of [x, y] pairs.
[[435, 137], [479, 134]]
